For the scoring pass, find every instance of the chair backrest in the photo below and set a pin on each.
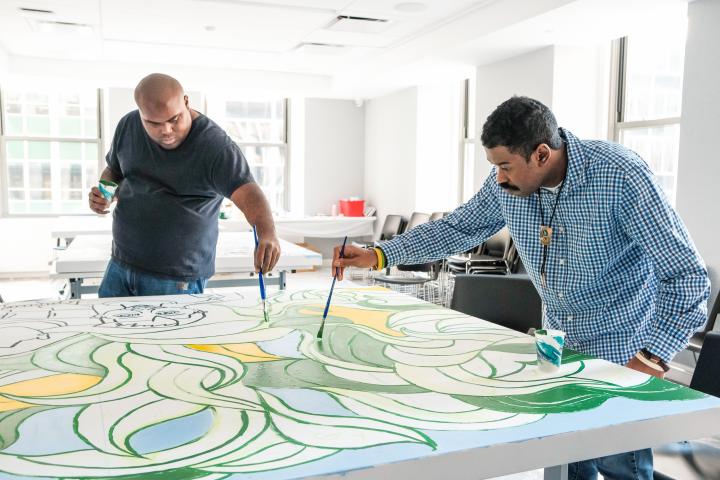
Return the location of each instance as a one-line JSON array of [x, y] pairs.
[[706, 377], [438, 215], [499, 244], [394, 224], [416, 219], [714, 312], [507, 300]]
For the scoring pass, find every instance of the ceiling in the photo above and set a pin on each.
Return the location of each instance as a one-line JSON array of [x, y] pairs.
[[418, 39]]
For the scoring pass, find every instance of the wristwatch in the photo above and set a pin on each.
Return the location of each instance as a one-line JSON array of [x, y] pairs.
[[647, 356]]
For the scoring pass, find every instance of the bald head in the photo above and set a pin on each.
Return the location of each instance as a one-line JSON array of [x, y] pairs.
[[156, 90], [164, 109]]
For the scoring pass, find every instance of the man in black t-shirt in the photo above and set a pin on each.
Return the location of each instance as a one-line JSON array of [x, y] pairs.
[[174, 166]]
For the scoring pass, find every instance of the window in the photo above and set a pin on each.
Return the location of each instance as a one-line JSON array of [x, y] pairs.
[[259, 127], [648, 98], [50, 150], [467, 148]]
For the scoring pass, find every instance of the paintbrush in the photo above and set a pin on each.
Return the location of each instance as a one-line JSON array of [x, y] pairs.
[[262, 282], [332, 287]]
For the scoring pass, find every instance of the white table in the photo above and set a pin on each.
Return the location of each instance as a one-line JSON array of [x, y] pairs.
[[398, 388], [65, 228], [317, 226], [88, 255], [68, 227]]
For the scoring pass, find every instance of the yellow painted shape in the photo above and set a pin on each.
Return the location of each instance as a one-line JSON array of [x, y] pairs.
[[375, 319], [245, 352], [60, 384]]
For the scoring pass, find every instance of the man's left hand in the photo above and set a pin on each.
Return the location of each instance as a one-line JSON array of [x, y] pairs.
[[636, 364], [267, 253]]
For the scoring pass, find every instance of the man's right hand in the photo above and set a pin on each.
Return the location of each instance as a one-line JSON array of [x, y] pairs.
[[353, 257], [98, 203]]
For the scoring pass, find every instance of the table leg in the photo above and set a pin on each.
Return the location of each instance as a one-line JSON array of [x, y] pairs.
[[558, 472], [75, 286], [282, 279]]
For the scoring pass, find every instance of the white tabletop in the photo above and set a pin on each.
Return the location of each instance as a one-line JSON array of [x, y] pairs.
[[88, 255], [397, 388], [317, 226], [310, 226], [72, 226]]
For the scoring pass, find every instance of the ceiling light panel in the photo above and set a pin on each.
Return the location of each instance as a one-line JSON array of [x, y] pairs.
[[238, 25]]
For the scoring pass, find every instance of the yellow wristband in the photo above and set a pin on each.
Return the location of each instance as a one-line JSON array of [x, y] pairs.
[[380, 258]]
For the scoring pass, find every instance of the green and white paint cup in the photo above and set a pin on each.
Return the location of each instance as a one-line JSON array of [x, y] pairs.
[[549, 345], [107, 188]]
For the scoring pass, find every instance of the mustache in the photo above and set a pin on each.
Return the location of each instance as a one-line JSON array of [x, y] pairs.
[[508, 186]]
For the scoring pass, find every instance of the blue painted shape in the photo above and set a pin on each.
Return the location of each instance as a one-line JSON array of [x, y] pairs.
[[172, 433], [48, 432]]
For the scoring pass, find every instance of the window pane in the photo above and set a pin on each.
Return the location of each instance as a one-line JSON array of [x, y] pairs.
[[654, 74], [14, 125], [15, 150], [38, 126], [39, 150], [659, 147], [70, 127], [54, 175], [254, 121], [39, 175], [16, 176], [268, 167], [71, 176], [52, 114], [70, 151]]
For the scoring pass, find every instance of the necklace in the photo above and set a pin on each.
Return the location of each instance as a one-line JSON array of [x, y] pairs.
[[546, 231]]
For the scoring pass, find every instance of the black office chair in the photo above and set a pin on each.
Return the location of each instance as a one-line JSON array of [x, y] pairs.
[[696, 459], [696, 341], [507, 300], [438, 215], [496, 256]]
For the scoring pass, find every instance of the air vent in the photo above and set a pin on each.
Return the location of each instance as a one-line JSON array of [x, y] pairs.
[[320, 48], [346, 23], [67, 28], [36, 11]]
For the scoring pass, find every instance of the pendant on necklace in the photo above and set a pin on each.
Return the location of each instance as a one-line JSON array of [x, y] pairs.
[[545, 235]]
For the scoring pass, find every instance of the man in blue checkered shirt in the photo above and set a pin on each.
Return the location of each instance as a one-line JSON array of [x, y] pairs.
[[611, 260]]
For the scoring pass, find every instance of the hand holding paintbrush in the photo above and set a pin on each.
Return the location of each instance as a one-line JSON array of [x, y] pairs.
[[332, 287]]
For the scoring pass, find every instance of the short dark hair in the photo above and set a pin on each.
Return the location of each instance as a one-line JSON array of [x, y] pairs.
[[521, 124]]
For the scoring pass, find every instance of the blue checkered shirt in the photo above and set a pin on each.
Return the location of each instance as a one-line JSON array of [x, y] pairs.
[[622, 273]]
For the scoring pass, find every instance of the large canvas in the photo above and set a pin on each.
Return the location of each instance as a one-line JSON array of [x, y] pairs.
[[200, 387]]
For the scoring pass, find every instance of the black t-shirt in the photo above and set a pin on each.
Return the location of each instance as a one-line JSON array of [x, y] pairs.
[[166, 219]]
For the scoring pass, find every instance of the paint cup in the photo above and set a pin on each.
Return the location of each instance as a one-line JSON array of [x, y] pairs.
[[549, 345], [107, 188]]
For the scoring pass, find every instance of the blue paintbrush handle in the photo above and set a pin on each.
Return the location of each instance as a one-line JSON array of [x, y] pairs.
[[327, 305], [260, 275]]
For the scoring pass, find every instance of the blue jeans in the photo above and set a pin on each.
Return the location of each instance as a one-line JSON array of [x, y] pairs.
[[119, 281], [636, 465]]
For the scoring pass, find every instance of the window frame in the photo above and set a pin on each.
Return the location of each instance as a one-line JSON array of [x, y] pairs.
[[283, 144], [4, 181], [618, 89]]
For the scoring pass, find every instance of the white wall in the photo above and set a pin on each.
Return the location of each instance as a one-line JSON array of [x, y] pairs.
[[390, 153], [530, 75], [438, 144], [581, 89], [572, 80], [699, 165], [121, 74], [334, 153]]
